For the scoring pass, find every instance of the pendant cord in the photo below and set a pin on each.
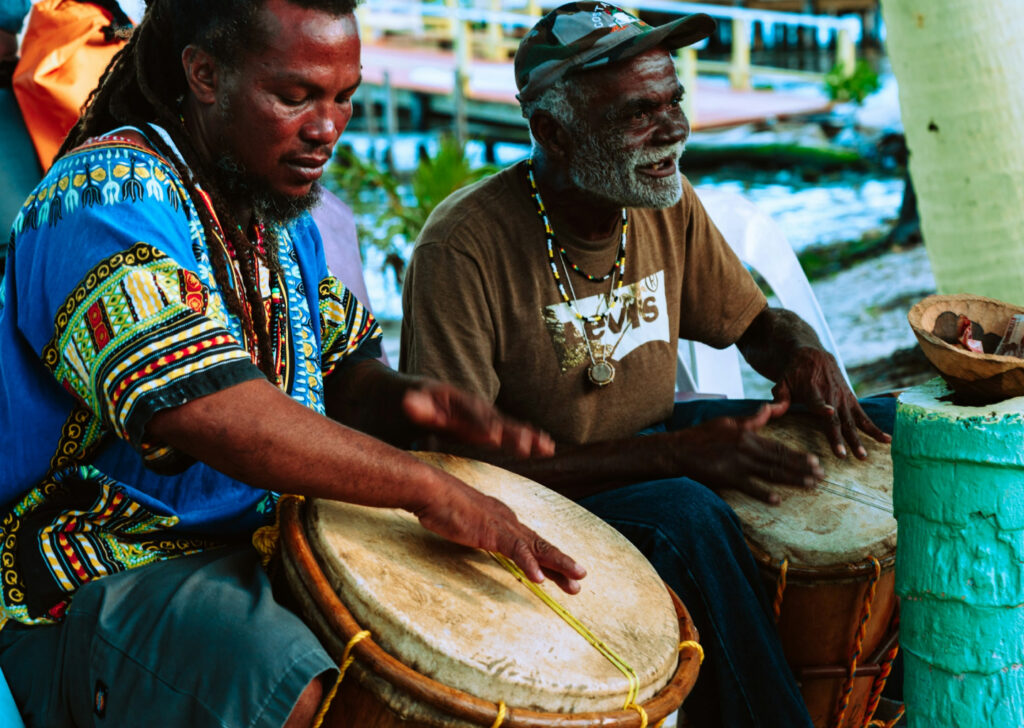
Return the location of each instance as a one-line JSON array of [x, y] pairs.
[[549, 235], [600, 372], [583, 326]]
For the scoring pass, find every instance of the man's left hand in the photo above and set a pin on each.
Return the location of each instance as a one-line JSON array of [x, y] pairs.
[[446, 410], [813, 379]]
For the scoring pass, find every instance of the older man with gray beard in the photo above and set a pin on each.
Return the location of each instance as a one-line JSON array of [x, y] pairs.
[[559, 288]]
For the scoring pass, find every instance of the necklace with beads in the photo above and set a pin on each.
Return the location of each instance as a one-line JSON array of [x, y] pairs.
[[275, 320], [601, 372], [276, 305]]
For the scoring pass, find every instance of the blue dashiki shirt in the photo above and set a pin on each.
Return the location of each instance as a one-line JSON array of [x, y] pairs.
[[112, 313]]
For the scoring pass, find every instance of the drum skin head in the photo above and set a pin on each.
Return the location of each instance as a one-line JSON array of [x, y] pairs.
[[456, 615], [819, 528]]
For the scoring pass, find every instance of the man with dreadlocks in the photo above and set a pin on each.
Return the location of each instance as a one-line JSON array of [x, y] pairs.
[[170, 345]]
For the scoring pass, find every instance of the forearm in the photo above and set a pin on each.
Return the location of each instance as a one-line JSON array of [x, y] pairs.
[[578, 471], [368, 397], [773, 340], [286, 447]]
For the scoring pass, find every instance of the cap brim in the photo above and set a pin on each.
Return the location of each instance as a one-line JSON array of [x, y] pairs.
[[676, 34]]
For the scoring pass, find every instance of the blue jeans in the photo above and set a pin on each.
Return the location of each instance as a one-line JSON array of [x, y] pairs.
[[694, 541]]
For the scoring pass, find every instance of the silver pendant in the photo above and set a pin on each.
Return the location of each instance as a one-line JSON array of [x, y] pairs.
[[601, 373]]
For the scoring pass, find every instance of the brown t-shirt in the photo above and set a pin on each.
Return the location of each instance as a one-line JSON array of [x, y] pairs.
[[481, 308]]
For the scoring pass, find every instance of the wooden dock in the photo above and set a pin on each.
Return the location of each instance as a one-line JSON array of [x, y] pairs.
[[421, 84]]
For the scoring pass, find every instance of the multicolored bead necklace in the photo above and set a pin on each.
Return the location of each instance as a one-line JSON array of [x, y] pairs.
[[276, 318], [276, 312], [600, 372], [619, 265]]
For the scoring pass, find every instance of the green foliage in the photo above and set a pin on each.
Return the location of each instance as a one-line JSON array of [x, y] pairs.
[[856, 87], [402, 205]]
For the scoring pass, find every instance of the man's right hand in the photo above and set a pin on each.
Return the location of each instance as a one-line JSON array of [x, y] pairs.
[[466, 516], [727, 452]]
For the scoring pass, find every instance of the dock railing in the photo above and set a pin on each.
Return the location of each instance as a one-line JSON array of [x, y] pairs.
[[491, 29]]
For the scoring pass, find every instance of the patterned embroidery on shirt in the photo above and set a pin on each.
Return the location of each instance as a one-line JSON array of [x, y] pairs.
[[81, 434], [79, 525], [344, 322], [124, 333], [102, 172]]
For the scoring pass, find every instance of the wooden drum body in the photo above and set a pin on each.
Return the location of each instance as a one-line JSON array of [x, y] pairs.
[[456, 640], [827, 555]]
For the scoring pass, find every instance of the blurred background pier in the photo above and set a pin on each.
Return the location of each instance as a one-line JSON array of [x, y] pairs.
[[448, 63]]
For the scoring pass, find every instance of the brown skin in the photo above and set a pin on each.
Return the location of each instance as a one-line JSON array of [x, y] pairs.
[[784, 349], [291, 101], [639, 99]]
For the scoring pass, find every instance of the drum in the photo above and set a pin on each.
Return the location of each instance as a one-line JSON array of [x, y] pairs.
[[443, 635], [827, 555]]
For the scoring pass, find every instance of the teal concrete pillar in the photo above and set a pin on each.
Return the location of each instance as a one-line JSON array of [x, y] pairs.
[[959, 501]]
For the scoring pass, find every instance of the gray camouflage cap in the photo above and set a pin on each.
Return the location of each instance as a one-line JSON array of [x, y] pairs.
[[585, 35]]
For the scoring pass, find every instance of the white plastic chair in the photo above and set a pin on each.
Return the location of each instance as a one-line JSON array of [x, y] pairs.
[[760, 244]]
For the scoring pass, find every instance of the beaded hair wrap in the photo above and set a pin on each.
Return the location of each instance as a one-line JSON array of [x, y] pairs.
[[549, 236]]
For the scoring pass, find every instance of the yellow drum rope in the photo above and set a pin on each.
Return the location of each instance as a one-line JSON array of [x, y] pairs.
[[502, 712], [693, 645], [594, 640], [347, 658]]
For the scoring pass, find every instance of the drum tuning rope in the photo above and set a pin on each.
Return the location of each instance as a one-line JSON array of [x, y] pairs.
[[891, 723], [865, 615], [696, 647], [883, 676], [780, 588], [266, 539], [502, 712], [347, 658], [572, 621]]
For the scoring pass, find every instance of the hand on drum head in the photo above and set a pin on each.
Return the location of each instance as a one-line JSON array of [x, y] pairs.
[[812, 378], [446, 410], [466, 516], [727, 452]]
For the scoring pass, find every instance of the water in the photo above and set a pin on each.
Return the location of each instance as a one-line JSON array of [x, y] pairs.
[[835, 209]]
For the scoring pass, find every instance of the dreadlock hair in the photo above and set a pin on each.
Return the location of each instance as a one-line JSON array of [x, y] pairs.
[[145, 83]]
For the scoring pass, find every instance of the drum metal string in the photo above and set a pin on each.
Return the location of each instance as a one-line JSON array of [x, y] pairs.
[[849, 493], [572, 621]]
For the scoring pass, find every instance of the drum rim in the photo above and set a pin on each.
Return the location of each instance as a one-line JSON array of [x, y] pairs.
[[835, 572], [459, 704]]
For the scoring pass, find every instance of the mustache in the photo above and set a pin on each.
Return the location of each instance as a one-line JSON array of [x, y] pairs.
[[650, 156]]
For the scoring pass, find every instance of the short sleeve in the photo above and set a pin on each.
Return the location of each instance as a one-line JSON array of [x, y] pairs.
[[717, 285], [447, 328], [109, 292], [349, 331]]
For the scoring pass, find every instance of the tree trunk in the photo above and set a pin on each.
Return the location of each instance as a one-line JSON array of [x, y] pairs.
[[959, 66]]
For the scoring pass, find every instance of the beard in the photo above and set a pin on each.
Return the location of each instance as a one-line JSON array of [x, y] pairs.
[[602, 167], [269, 205]]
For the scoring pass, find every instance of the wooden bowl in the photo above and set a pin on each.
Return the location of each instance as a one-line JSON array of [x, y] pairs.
[[977, 378]]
